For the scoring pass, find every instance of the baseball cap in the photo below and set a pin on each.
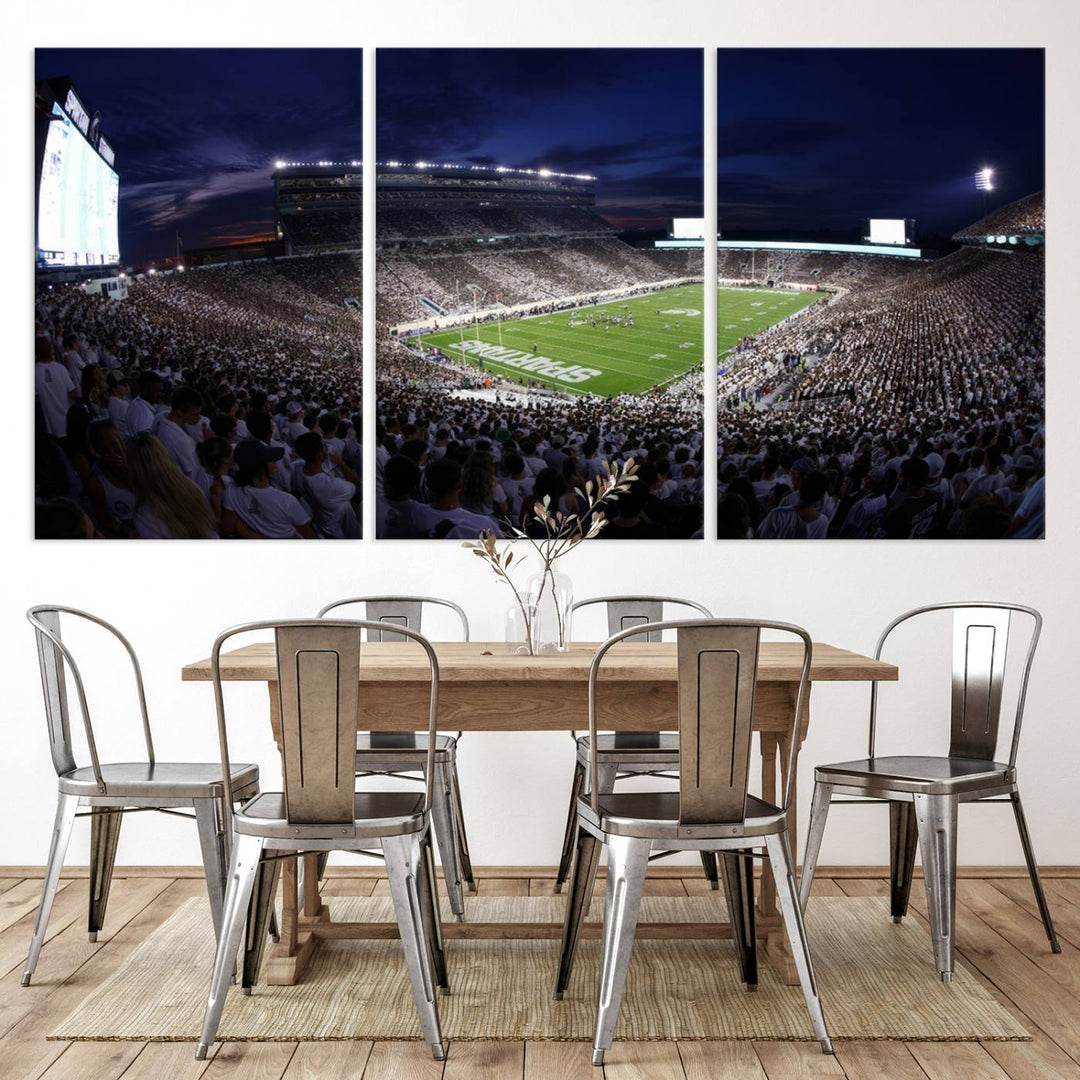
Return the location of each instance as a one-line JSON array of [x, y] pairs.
[[251, 452], [936, 464], [293, 408]]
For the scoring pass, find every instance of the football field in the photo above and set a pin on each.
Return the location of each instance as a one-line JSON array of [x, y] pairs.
[[595, 358], [746, 311]]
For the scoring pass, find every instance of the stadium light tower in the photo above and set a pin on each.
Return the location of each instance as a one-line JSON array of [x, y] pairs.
[[984, 182]]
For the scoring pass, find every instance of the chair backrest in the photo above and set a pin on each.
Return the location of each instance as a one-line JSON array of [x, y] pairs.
[[53, 657], [318, 674], [980, 642], [717, 677], [390, 611], [624, 612]]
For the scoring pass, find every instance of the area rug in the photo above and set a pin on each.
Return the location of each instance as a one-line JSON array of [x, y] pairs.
[[876, 978]]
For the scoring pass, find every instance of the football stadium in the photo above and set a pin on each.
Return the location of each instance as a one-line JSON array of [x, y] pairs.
[[903, 397], [519, 328], [213, 393]]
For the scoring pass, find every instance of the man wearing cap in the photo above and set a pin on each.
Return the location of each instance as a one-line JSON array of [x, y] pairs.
[[253, 507], [865, 517]]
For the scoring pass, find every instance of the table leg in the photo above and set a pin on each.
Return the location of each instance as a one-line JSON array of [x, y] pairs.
[[287, 960]]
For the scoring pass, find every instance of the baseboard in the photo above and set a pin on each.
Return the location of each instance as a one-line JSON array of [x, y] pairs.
[[669, 871]]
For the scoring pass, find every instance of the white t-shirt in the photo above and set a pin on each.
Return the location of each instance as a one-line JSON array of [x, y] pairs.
[[140, 417], [53, 385], [180, 444], [274, 514], [472, 524], [784, 523], [329, 497]]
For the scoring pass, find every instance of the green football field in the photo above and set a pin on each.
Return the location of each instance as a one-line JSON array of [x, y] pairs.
[[746, 311], [587, 358]]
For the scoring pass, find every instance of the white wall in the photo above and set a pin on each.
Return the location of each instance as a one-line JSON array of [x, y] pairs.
[[172, 599]]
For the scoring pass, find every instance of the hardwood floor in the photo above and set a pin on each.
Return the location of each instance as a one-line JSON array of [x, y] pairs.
[[998, 935]]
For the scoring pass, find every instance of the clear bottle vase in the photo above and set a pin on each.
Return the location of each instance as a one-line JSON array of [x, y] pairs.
[[553, 595], [522, 629]]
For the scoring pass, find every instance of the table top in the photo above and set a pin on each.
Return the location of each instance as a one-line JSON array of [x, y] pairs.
[[480, 662]]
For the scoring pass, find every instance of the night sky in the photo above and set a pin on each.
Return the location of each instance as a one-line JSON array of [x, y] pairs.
[[815, 139], [631, 117], [196, 132]]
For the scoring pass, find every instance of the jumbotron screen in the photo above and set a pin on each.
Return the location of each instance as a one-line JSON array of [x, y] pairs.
[[687, 228], [888, 231], [77, 200]]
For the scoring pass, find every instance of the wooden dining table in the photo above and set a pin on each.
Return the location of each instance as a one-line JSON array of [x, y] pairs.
[[485, 687]]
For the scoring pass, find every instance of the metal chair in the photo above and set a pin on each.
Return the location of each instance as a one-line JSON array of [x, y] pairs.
[[402, 754], [110, 790], [627, 753], [924, 793], [318, 662], [711, 811]]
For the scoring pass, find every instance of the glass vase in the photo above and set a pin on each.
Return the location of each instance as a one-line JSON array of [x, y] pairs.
[[553, 595], [522, 627]]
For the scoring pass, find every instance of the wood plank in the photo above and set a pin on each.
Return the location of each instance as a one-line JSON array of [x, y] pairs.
[[402, 1061], [1040, 1059], [1022, 929], [328, 1061], [787, 1060], [878, 1060], [251, 1061], [1021, 1060], [21, 899], [100, 1060], [169, 1061], [69, 949], [494, 1060], [643, 1061], [546, 1060], [23, 1049], [720, 1061], [69, 905], [510, 886], [1064, 909], [344, 886], [489, 662], [956, 1061], [8, 883]]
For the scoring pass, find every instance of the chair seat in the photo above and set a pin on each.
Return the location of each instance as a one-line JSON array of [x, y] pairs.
[[921, 775], [401, 744], [375, 813], [655, 815], [163, 779], [633, 748]]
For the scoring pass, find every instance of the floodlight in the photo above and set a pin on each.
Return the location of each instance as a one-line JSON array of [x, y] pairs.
[[984, 179], [280, 164]]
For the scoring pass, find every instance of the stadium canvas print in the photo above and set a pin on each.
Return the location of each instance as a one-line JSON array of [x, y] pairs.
[[881, 294], [198, 293], [540, 289]]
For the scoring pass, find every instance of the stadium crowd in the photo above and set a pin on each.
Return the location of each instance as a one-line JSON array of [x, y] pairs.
[[913, 408], [452, 460], [221, 402]]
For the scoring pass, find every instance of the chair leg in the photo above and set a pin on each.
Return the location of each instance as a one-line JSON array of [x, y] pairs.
[[606, 775], [464, 858], [259, 913], [1033, 871], [403, 869], [104, 836], [428, 891], [582, 880], [787, 897], [212, 841], [712, 873], [819, 811], [566, 859], [442, 821], [244, 863], [936, 818], [628, 860], [903, 841], [66, 805], [739, 893]]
